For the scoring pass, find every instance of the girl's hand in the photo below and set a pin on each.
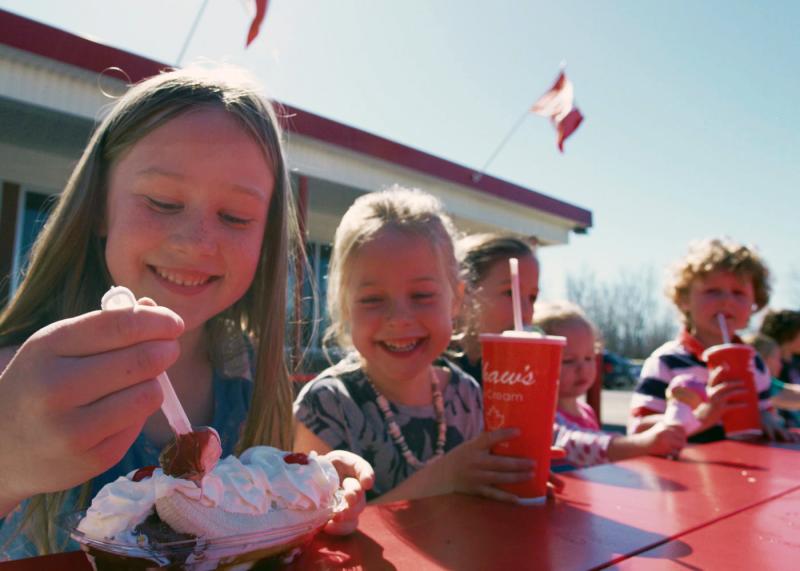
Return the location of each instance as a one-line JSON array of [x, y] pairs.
[[664, 440], [75, 395], [471, 468], [356, 476]]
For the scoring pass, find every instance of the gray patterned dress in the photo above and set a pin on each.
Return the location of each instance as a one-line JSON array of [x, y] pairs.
[[340, 407]]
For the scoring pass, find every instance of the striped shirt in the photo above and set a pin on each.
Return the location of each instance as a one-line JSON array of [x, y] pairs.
[[682, 356]]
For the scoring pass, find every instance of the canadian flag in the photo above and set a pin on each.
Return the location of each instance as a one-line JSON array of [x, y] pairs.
[[558, 105], [255, 25]]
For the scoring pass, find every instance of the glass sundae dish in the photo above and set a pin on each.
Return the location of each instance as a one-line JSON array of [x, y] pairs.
[[265, 504], [198, 512]]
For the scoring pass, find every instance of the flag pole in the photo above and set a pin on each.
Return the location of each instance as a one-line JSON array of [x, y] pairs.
[[477, 176], [191, 32]]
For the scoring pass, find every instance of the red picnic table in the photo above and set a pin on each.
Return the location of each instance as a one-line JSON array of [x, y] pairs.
[[723, 505]]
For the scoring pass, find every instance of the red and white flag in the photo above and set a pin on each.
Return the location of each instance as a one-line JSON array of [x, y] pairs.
[[255, 25], [558, 105]]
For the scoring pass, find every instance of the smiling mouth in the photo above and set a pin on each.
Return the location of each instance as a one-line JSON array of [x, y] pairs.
[[404, 346], [183, 279]]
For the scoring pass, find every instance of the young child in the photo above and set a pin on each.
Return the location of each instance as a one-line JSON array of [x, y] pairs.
[[393, 291], [588, 445], [488, 308], [785, 396], [182, 195], [784, 327], [717, 277]]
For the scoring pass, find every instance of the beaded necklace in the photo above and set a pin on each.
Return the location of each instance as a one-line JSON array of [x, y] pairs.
[[397, 434]]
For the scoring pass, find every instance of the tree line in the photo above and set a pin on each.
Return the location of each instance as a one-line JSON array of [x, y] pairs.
[[629, 310]]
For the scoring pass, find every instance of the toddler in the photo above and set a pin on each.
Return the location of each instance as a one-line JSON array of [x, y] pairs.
[[785, 396], [579, 430], [718, 277]]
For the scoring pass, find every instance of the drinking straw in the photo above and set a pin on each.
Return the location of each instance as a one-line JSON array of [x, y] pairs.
[[513, 266], [119, 297], [723, 327]]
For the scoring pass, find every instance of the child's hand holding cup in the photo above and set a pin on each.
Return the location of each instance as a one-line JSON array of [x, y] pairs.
[[734, 362]]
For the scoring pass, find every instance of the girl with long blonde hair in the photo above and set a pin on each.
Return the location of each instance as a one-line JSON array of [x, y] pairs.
[[182, 195]]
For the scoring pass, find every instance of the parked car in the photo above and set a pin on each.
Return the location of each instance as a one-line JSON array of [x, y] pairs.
[[618, 372]]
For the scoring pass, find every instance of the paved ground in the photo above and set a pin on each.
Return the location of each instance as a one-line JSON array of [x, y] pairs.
[[614, 407]]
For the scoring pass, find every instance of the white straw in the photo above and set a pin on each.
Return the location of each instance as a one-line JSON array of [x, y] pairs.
[[723, 327], [119, 297], [513, 266]]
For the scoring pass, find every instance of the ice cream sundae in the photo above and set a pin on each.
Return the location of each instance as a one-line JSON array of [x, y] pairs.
[[262, 502], [198, 512]]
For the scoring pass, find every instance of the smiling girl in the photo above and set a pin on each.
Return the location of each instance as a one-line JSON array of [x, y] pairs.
[[393, 292], [183, 196]]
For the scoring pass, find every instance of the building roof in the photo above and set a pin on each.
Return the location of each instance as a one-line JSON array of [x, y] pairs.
[[46, 41]]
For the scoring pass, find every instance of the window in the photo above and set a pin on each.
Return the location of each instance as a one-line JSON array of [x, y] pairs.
[[313, 314]]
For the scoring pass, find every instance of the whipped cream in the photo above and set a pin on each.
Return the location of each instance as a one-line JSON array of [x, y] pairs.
[[259, 490]]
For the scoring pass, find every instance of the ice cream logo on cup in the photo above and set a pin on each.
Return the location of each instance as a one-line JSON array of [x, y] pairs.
[[499, 387], [526, 377], [495, 419]]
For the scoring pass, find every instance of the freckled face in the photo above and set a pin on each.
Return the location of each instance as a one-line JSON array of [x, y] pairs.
[[492, 299], [186, 213]]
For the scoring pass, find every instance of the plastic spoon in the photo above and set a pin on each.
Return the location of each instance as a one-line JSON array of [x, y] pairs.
[[195, 451]]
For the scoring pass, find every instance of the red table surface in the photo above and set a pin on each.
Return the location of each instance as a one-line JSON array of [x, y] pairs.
[[764, 536], [606, 514]]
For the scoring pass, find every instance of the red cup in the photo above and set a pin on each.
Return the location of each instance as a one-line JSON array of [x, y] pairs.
[[737, 363], [520, 390]]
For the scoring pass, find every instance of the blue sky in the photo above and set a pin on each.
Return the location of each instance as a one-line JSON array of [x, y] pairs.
[[692, 126]]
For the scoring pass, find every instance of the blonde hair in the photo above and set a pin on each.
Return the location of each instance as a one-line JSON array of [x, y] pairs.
[[718, 254], [552, 317], [410, 211], [67, 274]]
